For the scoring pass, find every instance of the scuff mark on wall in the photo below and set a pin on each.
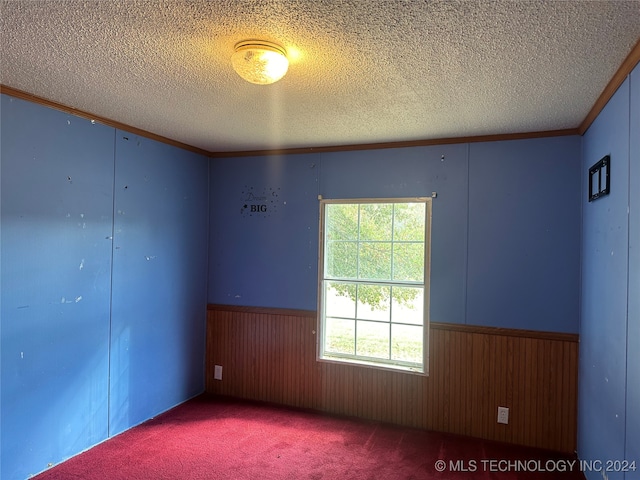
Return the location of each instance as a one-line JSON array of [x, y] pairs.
[[75, 300]]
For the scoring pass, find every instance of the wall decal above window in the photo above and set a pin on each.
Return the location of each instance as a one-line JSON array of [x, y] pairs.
[[599, 182]]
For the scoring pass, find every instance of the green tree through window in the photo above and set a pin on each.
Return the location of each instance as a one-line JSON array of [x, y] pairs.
[[373, 289]]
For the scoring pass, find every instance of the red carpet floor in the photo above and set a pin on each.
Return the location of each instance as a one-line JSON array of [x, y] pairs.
[[218, 438]]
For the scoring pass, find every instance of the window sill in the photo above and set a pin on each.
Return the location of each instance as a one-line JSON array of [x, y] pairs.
[[378, 366]]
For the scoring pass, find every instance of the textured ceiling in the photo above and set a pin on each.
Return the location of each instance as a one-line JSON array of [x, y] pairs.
[[362, 71]]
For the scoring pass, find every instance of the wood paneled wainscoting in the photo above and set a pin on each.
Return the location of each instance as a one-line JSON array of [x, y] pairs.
[[270, 355]]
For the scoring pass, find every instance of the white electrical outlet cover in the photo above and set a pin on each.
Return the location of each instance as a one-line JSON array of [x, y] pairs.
[[503, 415]]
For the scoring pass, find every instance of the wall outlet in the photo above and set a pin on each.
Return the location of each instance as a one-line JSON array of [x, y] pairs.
[[217, 372], [503, 415]]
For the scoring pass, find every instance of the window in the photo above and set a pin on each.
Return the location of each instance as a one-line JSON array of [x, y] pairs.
[[374, 285]]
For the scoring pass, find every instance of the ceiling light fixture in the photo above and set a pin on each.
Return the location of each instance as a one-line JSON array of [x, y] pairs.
[[260, 62]]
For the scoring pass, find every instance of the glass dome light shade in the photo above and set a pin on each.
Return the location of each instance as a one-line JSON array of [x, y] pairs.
[[260, 62]]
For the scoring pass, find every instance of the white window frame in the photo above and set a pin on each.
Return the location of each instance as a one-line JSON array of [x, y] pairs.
[[355, 359]]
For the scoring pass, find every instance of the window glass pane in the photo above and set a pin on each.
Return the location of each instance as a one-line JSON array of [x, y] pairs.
[[341, 221], [409, 221], [341, 260], [340, 300], [373, 274], [339, 336], [408, 262], [376, 221], [373, 302], [408, 305], [372, 339], [406, 343], [375, 261]]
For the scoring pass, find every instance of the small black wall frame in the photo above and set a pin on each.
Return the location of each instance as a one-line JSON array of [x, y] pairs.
[[599, 182]]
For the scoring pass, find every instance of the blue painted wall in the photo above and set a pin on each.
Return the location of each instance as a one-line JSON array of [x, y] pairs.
[[264, 232], [609, 372], [524, 234], [632, 447], [56, 216], [95, 338], [505, 232], [159, 279]]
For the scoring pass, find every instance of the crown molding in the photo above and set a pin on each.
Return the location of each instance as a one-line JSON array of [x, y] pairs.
[[405, 144], [623, 72], [14, 92]]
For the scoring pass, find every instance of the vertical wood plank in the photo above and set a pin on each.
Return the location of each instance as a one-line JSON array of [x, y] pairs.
[[272, 357]]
